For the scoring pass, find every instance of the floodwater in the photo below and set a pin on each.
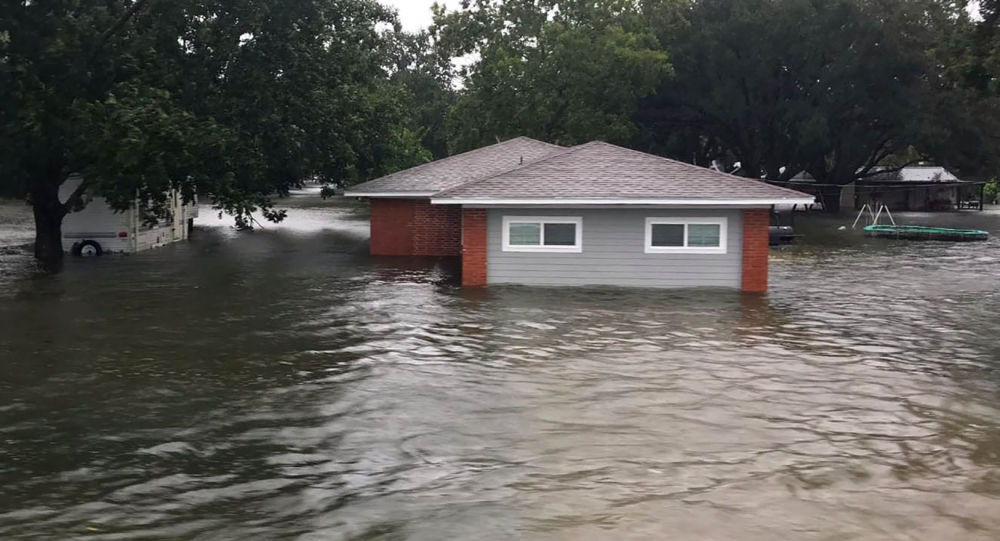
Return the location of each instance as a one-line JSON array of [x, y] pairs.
[[281, 384]]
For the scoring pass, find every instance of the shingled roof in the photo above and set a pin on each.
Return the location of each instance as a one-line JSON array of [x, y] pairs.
[[431, 178], [599, 172]]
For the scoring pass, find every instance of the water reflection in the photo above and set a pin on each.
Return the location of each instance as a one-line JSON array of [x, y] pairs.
[[282, 384]]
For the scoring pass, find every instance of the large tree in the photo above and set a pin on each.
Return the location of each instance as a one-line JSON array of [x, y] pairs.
[[562, 71], [829, 87], [237, 99], [968, 95], [425, 75]]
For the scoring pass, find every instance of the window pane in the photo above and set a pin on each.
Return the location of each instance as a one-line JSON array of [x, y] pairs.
[[560, 234], [522, 234], [668, 234], [703, 235]]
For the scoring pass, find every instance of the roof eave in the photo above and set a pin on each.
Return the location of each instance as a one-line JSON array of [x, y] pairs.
[[391, 195], [709, 203]]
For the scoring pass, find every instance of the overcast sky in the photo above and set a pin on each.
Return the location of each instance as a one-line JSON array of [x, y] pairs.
[[416, 14]]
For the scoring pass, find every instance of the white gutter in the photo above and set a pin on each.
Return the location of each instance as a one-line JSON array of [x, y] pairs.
[[628, 202], [400, 195]]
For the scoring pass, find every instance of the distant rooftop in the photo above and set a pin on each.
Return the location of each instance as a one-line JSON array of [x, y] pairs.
[[913, 173], [918, 173]]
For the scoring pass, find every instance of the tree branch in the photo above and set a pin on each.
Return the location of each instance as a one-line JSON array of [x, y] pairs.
[[119, 24], [888, 170], [881, 152], [75, 199]]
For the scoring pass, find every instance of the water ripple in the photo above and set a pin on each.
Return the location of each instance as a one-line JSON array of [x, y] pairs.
[[218, 390]]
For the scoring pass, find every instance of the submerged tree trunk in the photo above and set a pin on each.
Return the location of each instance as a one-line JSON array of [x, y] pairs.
[[49, 213], [829, 195]]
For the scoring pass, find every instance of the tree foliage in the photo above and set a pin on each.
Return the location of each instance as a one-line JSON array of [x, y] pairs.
[[991, 191], [243, 99], [837, 89], [968, 95], [562, 71], [832, 88], [426, 76], [238, 99]]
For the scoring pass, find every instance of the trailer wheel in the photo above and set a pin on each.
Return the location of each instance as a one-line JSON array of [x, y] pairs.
[[87, 248]]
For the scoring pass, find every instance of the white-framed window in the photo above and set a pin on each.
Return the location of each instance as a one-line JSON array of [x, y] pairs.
[[543, 234], [686, 235]]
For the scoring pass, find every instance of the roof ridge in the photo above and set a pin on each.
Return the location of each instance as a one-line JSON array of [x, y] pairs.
[[651, 170], [691, 165], [566, 151], [461, 154]]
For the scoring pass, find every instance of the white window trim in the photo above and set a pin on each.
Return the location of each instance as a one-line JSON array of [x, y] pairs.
[[542, 220], [723, 224]]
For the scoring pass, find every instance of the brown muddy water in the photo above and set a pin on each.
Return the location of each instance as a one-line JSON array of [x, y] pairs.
[[282, 384]]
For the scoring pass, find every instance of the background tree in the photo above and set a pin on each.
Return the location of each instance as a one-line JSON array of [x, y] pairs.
[[831, 88], [561, 71], [238, 99], [426, 77], [243, 99], [967, 93]]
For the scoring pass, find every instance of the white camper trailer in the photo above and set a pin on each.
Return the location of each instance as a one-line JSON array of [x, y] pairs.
[[98, 229]]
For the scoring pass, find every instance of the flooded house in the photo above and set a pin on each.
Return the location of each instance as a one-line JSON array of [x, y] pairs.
[[528, 212], [913, 188], [919, 188]]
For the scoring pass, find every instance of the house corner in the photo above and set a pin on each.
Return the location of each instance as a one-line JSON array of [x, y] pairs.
[[473, 247], [755, 250]]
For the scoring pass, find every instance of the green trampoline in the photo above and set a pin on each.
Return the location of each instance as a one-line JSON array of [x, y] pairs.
[[919, 232]]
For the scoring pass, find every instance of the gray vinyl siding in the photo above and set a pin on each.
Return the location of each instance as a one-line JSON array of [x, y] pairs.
[[614, 252]]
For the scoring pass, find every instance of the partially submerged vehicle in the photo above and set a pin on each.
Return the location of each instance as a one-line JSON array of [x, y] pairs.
[[781, 234], [98, 228], [782, 229]]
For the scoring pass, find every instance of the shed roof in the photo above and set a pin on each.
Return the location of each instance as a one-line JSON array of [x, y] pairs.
[[917, 173], [433, 177], [600, 172]]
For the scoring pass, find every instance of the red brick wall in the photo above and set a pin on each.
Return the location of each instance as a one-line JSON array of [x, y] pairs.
[[755, 250], [411, 227], [392, 226], [437, 229], [473, 247]]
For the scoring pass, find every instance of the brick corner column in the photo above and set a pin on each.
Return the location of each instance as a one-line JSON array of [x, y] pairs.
[[473, 247], [756, 245]]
